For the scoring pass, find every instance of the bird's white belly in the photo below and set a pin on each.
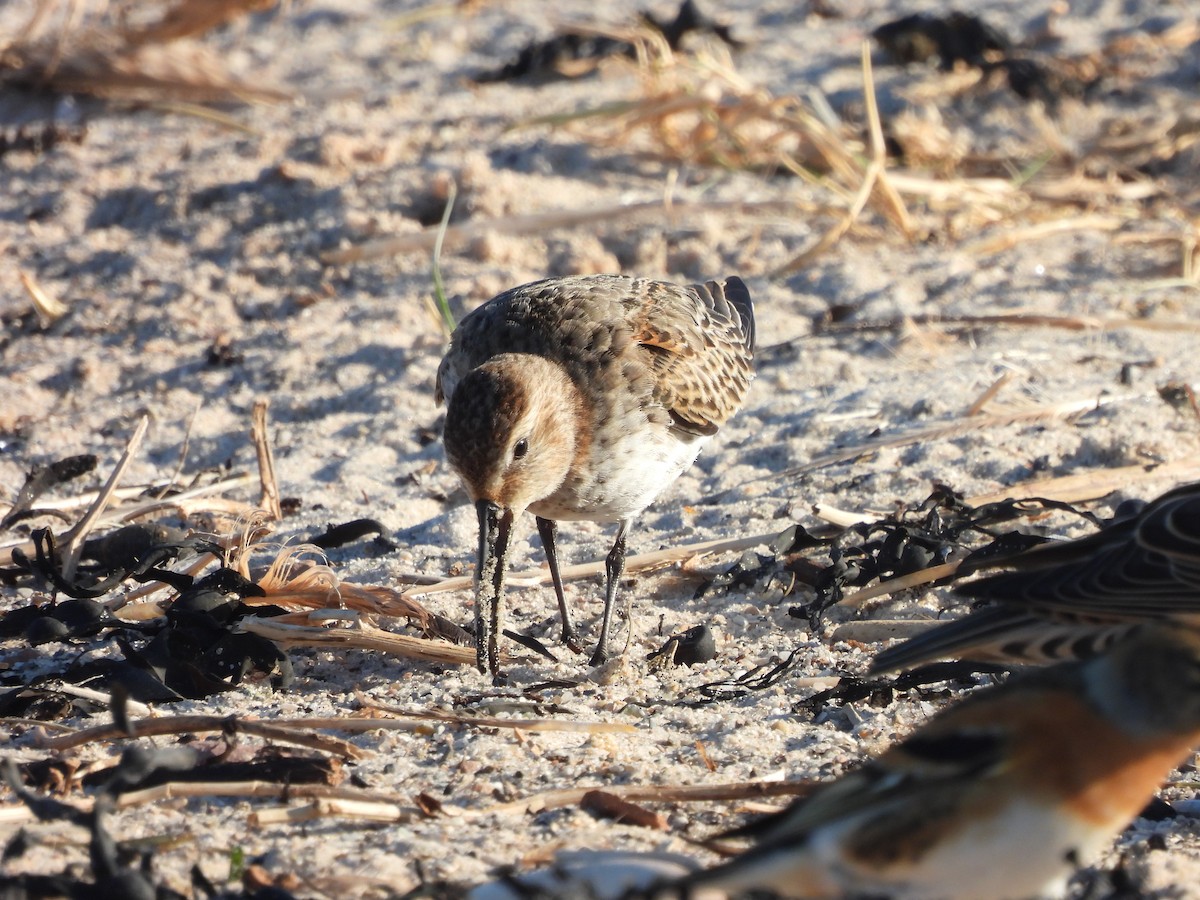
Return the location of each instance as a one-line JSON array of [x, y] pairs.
[[621, 479], [1021, 852]]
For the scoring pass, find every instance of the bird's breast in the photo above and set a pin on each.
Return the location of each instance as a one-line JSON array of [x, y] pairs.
[[622, 474]]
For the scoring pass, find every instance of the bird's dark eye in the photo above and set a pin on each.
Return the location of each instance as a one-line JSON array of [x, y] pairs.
[[520, 448]]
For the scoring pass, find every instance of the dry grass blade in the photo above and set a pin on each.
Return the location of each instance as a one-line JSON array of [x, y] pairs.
[[62, 49], [989, 394], [361, 637], [873, 180], [188, 17], [49, 309], [294, 580], [891, 205], [72, 542], [1009, 239]]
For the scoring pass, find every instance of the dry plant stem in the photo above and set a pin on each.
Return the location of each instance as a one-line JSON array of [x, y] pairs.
[[1095, 483], [913, 579], [633, 564], [73, 540], [360, 638], [196, 111], [266, 460], [1010, 239], [990, 394], [893, 206], [873, 176], [49, 309], [183, 450], [134, 706], [264, 789], [362, 810], [226, 724], [174, 790]]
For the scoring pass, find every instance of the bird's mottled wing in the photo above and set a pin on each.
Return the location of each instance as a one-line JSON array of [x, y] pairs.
[[698, 342]]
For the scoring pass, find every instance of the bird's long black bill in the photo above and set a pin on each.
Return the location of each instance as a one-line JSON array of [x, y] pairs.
[[495, 528]]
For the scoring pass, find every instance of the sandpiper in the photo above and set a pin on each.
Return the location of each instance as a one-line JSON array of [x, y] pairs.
[[999, 796], [582, 398]]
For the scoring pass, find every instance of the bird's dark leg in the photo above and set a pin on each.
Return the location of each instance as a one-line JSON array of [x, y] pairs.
[[614, 566], [548, 530]]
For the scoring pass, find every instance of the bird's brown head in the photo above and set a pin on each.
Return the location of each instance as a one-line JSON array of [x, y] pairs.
[[512, 430]]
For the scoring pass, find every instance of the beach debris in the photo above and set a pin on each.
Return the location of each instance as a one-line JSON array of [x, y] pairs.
[[573, 53], [696, 645], [964, 39], [917, 538]]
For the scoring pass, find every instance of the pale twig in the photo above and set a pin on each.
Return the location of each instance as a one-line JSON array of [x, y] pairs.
[[990, 394], [1009, 239], [266, 460], [72, 542], [324, 808], [49, 309], [361, 637]]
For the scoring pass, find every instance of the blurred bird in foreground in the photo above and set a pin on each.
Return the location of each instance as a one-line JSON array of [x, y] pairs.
[[582, 398], [1002, 795], [1071, 599]]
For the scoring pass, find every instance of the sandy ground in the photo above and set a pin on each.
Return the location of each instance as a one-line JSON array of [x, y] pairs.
[[167, 234]]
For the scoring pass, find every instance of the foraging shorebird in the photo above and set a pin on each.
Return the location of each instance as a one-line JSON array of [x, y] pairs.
[[1070, 599], [1000, 796], [582, 398]]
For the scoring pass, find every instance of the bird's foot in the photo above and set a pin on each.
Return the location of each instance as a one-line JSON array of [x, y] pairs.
[[570, 637], [600, 656]]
